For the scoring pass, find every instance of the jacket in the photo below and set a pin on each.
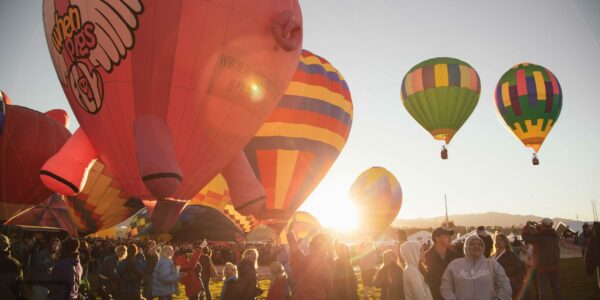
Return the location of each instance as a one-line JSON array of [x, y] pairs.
[[69, 271], [312, 274], [345, 284], [436, 265], [42, 266], [415, 287], [193, 285], [279, 289], [390, 280], [514, 269], [479, 278], [164, 278], [11, 273], [546, 248]]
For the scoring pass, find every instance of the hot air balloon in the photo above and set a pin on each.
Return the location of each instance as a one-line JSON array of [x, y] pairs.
[[378, 197], [440, 94], [140, 224], [52, 212], [102, 203], [28, 138], [167, 93], [296, 146], [304, 225], [529, 100]]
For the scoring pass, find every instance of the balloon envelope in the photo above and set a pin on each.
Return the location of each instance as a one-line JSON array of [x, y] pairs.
[[52, 212], [378, 198], [529, 101], [168, 92], [27, 140], [298, 143], [102, 203], [304, 225], [440, 94]]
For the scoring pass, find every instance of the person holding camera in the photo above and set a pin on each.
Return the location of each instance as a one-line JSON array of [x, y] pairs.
[[546, 256]]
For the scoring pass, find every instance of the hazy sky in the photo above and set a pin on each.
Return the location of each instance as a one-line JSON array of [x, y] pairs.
[[373, 44]]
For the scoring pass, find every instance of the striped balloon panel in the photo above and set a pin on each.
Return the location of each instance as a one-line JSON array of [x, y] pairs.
[[296, 146], [101, 203], [244, 223], [440, 94], [378, 197], [529, 99]]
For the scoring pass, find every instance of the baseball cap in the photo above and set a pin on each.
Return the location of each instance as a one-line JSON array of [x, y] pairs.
[[4, 243], [547, 221], [441, 231]]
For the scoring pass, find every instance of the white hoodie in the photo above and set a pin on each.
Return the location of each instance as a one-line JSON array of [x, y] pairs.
[[470, 278], [414, 283]]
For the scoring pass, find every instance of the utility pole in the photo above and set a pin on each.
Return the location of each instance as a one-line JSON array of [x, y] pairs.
[[446, 204]]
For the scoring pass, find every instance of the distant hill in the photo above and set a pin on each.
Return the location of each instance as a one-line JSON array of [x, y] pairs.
[[487, 219]]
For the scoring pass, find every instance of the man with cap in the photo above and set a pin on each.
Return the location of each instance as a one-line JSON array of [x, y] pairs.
[[487, 241], [11, 272], [437, 259], [546, 256]]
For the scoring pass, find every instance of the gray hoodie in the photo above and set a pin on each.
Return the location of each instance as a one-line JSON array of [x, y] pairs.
[[415, 287], [470, 278]]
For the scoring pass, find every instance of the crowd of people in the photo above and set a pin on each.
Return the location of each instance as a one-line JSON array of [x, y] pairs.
[[315, 268]]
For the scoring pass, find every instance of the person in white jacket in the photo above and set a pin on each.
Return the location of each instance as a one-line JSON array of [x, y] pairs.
[[415, 287], [475, 277]]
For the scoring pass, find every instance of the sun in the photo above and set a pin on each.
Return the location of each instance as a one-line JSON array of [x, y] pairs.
[[340, 215]]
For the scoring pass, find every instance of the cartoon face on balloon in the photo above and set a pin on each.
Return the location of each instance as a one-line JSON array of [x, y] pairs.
[[87, 87], [167, 93]]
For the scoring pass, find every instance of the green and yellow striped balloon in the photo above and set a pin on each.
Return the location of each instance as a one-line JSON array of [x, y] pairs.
[[440, 94]]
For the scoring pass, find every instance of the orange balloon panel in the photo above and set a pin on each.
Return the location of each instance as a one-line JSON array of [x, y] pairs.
[[378, 197], [168, 92], [302, 137], [102, 203], [27, 140]]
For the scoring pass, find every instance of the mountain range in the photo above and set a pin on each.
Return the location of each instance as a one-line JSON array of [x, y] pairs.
[[486, 219]]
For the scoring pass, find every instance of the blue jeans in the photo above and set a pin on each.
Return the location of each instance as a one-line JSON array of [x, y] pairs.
[[545, 278]]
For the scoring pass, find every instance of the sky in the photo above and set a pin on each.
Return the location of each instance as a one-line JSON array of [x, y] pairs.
[[373, 44]]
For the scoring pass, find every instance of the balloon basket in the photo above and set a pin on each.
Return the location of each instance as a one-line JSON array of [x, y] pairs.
[[444, 152], [535, 161]]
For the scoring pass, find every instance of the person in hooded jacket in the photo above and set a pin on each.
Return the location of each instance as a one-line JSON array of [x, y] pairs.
[[415, 287], [67, 271], [475, 277], [389, 277]]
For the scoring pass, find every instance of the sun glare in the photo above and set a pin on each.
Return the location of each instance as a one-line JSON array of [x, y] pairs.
[[342, 216]]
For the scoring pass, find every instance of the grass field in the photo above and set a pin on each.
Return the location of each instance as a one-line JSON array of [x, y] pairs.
[[575, 285]]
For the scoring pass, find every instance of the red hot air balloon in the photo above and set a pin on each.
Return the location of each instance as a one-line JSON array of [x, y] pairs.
[[27, 139], [167, 92]]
